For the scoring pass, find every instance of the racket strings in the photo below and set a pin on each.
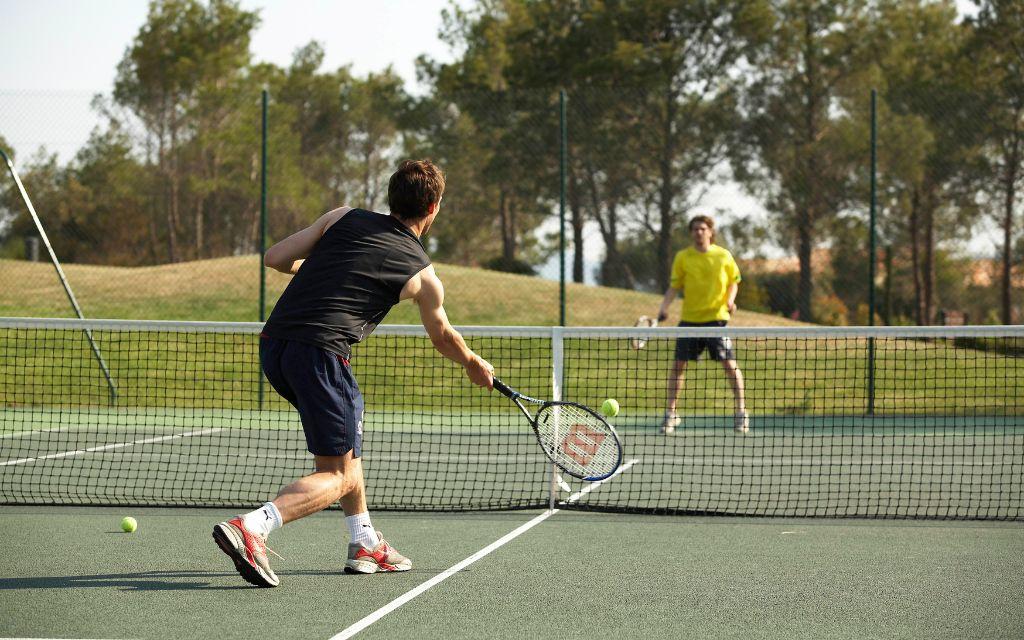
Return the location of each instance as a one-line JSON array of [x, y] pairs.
[[577, 440]]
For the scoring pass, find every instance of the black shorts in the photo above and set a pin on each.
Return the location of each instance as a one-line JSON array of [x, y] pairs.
[[321, 386], [691, 348]]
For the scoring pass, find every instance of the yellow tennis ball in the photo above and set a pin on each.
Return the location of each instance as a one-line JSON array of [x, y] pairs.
[[129, 524], [610, 407]]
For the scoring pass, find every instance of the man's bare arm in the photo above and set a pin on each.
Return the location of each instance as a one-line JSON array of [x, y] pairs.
[[730, 298], [666, 304], [428, 293], [287, 255]]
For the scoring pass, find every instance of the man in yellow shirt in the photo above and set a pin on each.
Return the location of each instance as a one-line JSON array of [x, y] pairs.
[[708, 278]]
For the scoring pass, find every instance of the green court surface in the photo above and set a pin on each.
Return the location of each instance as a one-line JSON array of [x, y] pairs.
[[68, 572]]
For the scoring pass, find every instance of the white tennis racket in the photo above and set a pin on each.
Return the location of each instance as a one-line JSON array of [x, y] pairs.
[[573, 436], [645, 322]]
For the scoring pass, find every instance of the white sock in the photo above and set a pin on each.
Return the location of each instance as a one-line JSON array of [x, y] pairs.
[[263, 520], [361, 531]]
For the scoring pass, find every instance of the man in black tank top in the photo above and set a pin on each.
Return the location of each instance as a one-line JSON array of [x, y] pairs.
[[351, 266]]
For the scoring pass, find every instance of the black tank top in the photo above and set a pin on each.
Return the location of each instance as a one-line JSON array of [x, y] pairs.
[[349, 282]]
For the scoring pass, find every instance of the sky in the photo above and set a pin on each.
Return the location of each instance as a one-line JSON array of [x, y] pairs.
[[60, 53], [75, 45]]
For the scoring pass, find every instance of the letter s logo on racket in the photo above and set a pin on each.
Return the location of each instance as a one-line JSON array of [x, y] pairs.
[[573, 436]]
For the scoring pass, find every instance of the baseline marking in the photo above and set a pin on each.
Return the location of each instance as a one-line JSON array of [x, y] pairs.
[[409, 595], [118, 445]]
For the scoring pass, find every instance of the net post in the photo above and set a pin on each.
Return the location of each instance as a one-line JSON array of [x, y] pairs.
[[265, 96], [872, 250], [60, 274], [557, 380]]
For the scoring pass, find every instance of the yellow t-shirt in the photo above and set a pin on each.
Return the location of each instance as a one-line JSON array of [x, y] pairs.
[[704, 280]]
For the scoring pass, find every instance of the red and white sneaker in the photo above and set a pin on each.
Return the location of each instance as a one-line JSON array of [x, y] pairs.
[[380, 558], [248, 551]]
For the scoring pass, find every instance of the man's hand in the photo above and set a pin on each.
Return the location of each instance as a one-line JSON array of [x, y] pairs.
[[662, 316], [732, 307], [480, 372]]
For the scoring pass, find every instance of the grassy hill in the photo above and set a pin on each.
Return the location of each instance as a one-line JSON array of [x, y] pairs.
[[228, 289]]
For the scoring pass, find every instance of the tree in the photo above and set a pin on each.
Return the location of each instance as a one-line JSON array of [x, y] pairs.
[[184, 50], [790, 152], [510, 178], [930, 84], [998, 56]]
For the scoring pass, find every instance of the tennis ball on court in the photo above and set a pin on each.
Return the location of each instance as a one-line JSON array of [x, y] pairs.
[[610, 407], [129, 524]]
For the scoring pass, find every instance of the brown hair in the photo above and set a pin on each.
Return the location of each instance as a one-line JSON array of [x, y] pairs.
[[414, 187], [706, 220]]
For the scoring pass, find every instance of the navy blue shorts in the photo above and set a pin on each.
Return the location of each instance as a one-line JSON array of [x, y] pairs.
[[691, 348], [321, 386]]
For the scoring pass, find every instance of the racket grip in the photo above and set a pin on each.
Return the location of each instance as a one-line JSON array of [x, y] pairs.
[[507, 391]]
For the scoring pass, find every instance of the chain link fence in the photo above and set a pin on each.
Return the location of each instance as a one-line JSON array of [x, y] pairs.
[[155, 212]]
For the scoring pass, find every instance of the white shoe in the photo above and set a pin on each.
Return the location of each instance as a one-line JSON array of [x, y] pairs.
[[742, 423], [669, 424]]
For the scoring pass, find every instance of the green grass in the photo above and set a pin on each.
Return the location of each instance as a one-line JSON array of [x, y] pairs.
[[221, 372], [814, 378], [228, 289]]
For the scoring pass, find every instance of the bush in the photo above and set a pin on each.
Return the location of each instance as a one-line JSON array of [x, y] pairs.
[[828, 309], [509, 265], [752, 296]]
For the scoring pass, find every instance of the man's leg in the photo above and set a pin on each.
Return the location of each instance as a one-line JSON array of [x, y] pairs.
[[735, 376], [335, 477], [368, 552], [675, 383]]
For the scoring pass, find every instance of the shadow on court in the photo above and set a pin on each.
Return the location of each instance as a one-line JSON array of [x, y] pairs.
[[143, 581]]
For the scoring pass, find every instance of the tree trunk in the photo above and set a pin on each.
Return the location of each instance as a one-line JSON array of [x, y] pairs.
[[367, 198], [915, 258], [665, 192], [172, 210], [804, 247], [1010, 193], [506, 215], [887, 293], [614, 270], [576, 211], [929, 263], [806, 213]]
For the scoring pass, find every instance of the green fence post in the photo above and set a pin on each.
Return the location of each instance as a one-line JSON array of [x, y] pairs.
[[263, 226], [263, 208], [871, 251], [562, 170]]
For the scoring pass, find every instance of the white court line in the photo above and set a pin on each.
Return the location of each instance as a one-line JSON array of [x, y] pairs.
[[28, 432], [409, 595], [118, 445]]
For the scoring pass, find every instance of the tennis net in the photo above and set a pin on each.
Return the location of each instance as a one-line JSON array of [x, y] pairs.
[[882, 422]]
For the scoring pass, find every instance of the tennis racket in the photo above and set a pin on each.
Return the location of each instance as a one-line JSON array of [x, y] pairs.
[[573, 436], [645, 322]]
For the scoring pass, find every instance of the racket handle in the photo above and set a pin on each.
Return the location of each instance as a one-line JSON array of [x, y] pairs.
[[506, 390]]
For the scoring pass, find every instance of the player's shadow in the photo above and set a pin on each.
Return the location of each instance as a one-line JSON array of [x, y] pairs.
[[144, 581]]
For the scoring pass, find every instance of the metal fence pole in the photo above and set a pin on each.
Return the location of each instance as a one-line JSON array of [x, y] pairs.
[[263, 227], [871, 251], [562, 171]]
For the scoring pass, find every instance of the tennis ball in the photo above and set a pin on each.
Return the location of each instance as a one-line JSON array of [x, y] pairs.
[[610, 407], [129, 524]]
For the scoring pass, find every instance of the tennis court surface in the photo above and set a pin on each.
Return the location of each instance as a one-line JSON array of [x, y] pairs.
[[877, 494]]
